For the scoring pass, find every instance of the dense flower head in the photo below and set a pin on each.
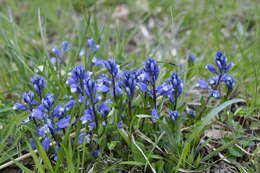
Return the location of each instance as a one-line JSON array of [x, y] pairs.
[[129, 84], [90, 88], [172, 88], [104, 107], [155, 115], [38, 84], [46, 143], [28, 98], [219, 76], [221, 62], [88, 115], [113, 68], [173, 115], [151, 69], [176, 83], [58, 112], [38, 113], [64, 122], [47, 102], [76, 77], [103, 83]]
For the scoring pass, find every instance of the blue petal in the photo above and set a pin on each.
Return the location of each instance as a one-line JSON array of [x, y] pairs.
[[19, 106], [155, 115], [38, 114], [64, 122], [211, 68], [97, 62], [229, 67], [215, 93], [143, 87], [46, 143], [202, 84], [174, 115]]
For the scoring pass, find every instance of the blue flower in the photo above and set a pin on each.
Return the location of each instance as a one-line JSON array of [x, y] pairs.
[[95, 153], [33, 144], [59, 53], [214, 93], [47, 102], [173, 115], [151, 70], [229, 81], [103, 83], [69, 105], [38, 114], [65, 46], [76, 77], [202, 84], [120, 125], [172, 88], [220, 76], [113, 68], [129, 84], [191, 112], [58, 112], [28, 98], [38, 84], [64, 122], [104, 108], [56, 51], [88, 116], [84, 137], [46, 143], [165, 89], [42, 131], [90, 89], [97, 62], [177, 83], [20, 107], [92, 45], [211, 68], [92, 125], [92, 48], [155, 115]]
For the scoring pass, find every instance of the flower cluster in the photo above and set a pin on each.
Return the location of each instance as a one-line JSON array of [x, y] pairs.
[[220, 76], [93, 96], [49, 120]]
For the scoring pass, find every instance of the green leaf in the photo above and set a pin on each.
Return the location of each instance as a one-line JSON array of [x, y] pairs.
[[134, 163]]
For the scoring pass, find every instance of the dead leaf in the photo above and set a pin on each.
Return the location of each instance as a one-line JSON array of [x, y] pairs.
[[121, 12]]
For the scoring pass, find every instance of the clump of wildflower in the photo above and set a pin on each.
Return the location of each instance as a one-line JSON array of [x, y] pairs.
[[220, 76]]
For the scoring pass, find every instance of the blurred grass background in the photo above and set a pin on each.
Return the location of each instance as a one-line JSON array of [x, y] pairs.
[[130, 31]]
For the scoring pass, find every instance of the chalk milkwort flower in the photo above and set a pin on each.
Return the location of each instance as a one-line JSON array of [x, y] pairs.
[[220, 76], [147, 77], [172, 89]]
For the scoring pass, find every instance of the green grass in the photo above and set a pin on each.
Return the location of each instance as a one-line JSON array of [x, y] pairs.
[[29, 29]]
